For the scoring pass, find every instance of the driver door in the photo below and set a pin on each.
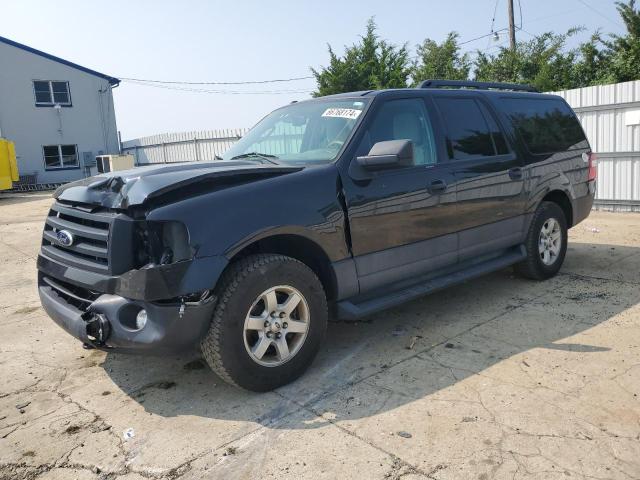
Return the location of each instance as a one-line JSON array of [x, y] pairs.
[[402, 220]]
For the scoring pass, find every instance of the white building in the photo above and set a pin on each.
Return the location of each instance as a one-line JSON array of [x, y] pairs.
[[60, 115]]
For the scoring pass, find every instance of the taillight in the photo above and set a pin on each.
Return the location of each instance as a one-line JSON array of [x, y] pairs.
[[592, 167]]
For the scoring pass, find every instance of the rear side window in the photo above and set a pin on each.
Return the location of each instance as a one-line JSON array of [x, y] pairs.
[[472, 130], [545, 125]]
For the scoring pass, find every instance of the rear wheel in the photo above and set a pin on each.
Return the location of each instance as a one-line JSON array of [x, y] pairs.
[[546, 243], [269, 323]]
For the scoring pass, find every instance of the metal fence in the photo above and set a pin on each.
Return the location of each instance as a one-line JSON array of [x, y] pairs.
[[610, 115], [182, 147], [207, 145]]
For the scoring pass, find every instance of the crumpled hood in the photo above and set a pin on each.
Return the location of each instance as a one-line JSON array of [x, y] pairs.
[[125, 188]]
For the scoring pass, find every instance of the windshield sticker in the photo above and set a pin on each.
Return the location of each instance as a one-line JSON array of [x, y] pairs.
[[350, 113]]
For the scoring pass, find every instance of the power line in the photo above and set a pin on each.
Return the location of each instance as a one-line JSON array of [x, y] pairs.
[[520, 8], [527, 32], [252, 82], [482, 36], [493, 19], [546, 17], [221, 92], [599, 12]]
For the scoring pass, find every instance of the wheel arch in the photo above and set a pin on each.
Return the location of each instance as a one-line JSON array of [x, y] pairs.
[[562, 199], [297, 246]]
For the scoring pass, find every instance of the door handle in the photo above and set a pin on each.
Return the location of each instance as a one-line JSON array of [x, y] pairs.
[[515, 173], [437, 186]]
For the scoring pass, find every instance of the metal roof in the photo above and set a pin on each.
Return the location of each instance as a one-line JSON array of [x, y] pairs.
[[112, 80]]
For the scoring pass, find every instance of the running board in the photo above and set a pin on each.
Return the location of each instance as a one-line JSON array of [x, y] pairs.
[[354, 309]]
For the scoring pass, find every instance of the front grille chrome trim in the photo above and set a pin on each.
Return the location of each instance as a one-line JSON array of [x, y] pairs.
[[91, 232]]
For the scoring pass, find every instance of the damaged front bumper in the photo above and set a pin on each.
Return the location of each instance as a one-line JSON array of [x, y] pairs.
[[101, 310]]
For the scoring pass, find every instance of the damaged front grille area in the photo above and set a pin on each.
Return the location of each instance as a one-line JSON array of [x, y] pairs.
[[78, 237], [80, 298], [90, 238]]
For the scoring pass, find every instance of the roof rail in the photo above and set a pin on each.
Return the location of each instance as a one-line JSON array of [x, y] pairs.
[[477, 85]]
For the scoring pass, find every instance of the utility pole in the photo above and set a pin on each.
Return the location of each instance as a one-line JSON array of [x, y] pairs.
[[512, 28]]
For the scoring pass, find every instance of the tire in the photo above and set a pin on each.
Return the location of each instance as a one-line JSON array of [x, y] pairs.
[[537, 265], [233, 344]]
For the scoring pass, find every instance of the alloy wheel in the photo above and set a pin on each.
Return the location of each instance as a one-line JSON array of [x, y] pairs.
[[276, 326], [550, 241]]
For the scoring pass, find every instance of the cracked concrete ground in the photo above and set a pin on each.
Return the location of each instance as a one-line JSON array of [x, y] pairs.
[[506, 378]]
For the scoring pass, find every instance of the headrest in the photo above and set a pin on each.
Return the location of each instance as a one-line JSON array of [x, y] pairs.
[[407, 125]]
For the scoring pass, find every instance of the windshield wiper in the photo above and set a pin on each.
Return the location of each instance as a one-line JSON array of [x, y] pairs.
[[264, 156]]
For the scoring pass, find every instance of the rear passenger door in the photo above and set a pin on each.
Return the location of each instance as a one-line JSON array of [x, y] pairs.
[[488, 175]]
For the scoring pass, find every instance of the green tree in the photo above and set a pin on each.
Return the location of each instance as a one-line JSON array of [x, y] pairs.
[[592, 65], [542, 62], [372, 63], [625, 49], [441, 61]]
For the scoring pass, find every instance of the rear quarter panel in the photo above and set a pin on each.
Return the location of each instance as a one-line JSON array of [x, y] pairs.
[[566, 171]]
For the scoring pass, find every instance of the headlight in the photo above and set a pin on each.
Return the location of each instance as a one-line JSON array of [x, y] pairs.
[[163, 243]]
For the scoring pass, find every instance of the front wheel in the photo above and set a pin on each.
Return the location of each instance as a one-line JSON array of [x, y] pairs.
[[546, 243], [269, 323]]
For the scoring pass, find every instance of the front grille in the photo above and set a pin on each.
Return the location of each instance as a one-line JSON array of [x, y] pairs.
[[91, 237]]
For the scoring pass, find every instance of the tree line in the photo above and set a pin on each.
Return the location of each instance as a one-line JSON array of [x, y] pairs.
[[543, 61]]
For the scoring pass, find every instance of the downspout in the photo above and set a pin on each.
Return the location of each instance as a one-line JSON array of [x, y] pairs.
[[104, 133], [106, 122]]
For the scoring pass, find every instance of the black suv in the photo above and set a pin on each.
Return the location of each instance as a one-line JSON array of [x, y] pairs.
[[347, 204]]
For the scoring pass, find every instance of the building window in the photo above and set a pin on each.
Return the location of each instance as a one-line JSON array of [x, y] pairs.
[[50, 92], [60, 156]]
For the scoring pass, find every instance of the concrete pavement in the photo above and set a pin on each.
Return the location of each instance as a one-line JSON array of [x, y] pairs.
[[497, 378]]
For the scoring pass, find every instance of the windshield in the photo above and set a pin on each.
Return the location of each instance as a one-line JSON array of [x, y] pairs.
[[309, 132]]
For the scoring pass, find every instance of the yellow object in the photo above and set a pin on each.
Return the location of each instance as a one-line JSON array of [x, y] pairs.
[[8, 164]]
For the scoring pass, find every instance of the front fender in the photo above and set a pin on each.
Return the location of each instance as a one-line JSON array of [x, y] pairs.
[[293, 230], [305, 203]]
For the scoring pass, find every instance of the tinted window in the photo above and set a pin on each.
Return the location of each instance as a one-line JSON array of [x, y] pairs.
[[499, 143], [546, 126], [405, 119], [467, 128]]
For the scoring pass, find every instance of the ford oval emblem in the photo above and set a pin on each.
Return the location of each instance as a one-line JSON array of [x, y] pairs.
[[65, 238]]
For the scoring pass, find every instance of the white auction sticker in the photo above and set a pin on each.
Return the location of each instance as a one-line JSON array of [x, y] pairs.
[[350, 113]]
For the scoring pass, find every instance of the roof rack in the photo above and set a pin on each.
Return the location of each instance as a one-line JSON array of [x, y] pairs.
[[477, 85]]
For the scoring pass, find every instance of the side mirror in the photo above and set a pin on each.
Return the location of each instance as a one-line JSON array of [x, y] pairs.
[[388, 154]]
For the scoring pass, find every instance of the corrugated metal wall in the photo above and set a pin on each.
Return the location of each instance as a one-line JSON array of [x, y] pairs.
[[206, 145], [610, 115], [182, 147]]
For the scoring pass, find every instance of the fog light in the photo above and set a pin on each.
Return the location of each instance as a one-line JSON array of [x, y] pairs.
[[141, 319]]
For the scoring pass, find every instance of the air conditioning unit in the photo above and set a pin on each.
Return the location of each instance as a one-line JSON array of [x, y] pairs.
[[114, 163]]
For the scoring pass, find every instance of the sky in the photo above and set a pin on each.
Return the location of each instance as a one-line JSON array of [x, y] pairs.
[[250, 40]]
